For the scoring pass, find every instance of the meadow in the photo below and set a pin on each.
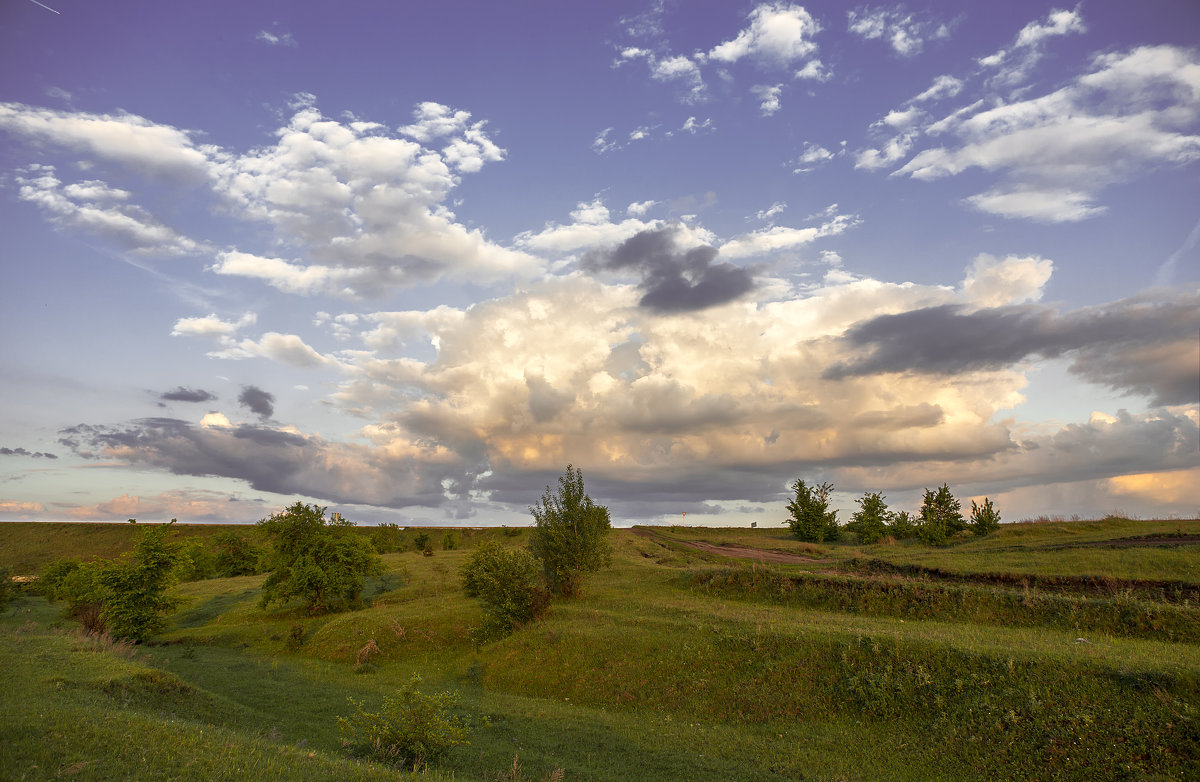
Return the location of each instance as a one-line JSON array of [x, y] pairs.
[[1051, 650]]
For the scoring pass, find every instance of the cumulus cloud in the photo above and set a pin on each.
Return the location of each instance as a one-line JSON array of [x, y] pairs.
[[778, 34], [257, 401], [769, 97], [674, 279], [1013, 65], [905, 34]]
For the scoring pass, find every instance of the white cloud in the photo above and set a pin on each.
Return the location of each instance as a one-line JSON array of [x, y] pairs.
[[776, 238], [772, 211], [993, 282], [811, 156], [778, 34], [768, 96], [691, 125], [893, 150], [211, 326], [944, 86], [1041, 205], [814, 70], [902, 32], [1014, 65], [1059, 22], [640, 208], [276, 39]]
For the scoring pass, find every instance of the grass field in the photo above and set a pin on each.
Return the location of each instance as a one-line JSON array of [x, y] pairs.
[[1045, 651]]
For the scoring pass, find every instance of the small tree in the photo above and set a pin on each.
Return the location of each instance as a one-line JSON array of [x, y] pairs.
[[321, 561], [410, 729], [387, 538], [984, 518], [237, 556], [901, 525], [508, 585], [570, 537], [136, 600], [870, 521], [810, 517], [941, 517]]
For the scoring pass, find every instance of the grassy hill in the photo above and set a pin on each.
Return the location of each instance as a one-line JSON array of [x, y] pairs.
[[1044, 651]]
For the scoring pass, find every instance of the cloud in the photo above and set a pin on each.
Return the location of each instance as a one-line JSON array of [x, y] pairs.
[[777, 238], [1132, 112], [1135, 345], [768, 96], [811, 157], [182, 394], [944, 86], [22, 452], [276, 39], [778, 35], [674, 279], [902, 32], [1013, 65], [257, 401], [211, 326]]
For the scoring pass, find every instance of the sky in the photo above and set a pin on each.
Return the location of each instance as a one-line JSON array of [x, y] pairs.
[[410, 260]]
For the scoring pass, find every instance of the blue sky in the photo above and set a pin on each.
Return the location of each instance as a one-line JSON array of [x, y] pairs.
[[410, 261]]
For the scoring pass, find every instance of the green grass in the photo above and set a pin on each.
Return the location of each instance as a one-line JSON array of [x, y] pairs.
[[674, 664]]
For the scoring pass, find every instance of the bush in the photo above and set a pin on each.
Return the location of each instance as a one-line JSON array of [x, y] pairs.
[[901, 525], [570, 538], [198, 562], [508, 586], [387, 538], [449, 541], [870, 522], [237, 556], [422, 541], [984, 518], [941, 517], [811, 520], [409, 730], [321, 561]]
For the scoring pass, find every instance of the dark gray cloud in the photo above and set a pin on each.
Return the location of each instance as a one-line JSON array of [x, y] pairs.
[[182, 394], [23, 452], [1137, 345], [674, 280], [269, 460], [260, 402]]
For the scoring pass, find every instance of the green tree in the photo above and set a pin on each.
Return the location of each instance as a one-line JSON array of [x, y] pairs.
[[901, 525], [810, 518], [570, 536], [410, 730], [388, 537], [136, 600], [237, 556], [318, 560], [509, 586], [870, 521], [941, 517], [984, 518]]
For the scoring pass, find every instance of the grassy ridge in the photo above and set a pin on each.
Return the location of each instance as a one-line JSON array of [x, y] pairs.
[[669, 667]]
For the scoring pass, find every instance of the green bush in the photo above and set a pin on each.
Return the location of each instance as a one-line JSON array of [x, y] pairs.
[[941, 517], [237, 556], [198, 562], [508, 585], [449, 541], [320, 561], [984, 518], [870, 521], [410, 730], [810, 518], [570, 538], [388, 538], [422, 541], [901, 525]]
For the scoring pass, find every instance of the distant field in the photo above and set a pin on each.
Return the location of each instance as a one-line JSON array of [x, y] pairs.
[[1045, 651]]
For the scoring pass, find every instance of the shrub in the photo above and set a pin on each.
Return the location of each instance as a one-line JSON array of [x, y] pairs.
[[198, 562], [422, 541], [870, 522], [984, 518], [321, 561], [570, 536], [941, 517], [135, 599], [811, 520], [387, 538], [237, 556], [449, 541], [901, 525], [508, 586], [409, 730]]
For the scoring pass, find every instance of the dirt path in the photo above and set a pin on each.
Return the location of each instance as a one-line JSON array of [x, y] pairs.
[[732, 550]]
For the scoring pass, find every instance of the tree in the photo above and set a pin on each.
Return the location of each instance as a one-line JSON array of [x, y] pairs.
[[870, 521], [901, 525], [570, 536], [509, 587], [237, 556], [984, 518], [941, 517], [811, 520], [410, 730], [320, 561], [388, 537]]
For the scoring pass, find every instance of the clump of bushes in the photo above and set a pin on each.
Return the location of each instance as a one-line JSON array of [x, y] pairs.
[[509, 586], [410, 730], [809, 516], [388, 538]]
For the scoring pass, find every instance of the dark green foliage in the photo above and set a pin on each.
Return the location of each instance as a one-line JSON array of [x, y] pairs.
[[6, 588], [388, 538], [509, 587], [810, 518], [570, 538], [319, 561], [510, 532], [449, 541], [984, 518], [410, 730], [941, 517], [422, 541], [237, 556], [127, 597], [901, 525], [199, 562], [135, 599], [870, 521]]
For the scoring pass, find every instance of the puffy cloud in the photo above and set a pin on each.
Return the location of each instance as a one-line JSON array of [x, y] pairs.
[[257, 401], [768, 96], [778, 34], [211, 326], [811, 156], [944, 86], [674, 279], [992, 282]]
